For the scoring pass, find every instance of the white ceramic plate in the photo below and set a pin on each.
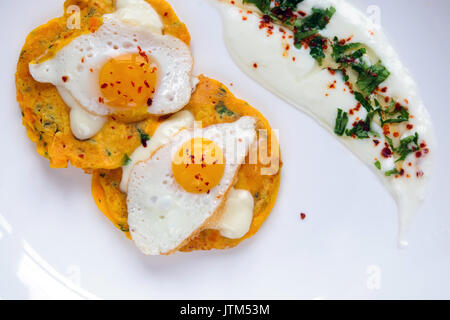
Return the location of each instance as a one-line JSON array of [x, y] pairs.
[[54, 242]]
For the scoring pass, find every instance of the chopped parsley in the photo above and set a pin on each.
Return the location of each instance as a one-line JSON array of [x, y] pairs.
[[313, 23], [370, 77], [263, 5], [126, 160], [222, 110], [316, 46], [391, 172], [144, 137], [377, 164], [360, 98], [341, 122], [407, 145]]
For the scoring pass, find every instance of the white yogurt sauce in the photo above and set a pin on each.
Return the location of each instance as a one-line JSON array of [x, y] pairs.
[[274, 62], [238, 210]]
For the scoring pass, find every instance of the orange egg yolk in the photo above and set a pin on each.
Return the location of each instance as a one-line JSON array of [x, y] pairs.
[[198, 166], [128, 81]]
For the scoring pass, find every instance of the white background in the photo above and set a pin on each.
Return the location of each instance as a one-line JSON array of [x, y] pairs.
[[54, 243]]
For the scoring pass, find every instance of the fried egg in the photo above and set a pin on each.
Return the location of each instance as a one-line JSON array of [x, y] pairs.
[[126, 63], [182, 188]]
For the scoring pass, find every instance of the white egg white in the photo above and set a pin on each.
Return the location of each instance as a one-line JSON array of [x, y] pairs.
[[161, 214]]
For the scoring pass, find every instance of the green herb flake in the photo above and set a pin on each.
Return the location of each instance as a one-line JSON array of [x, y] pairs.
[[370, 77], [391, 172], [143, 136], [126, 160], [377, 164], [341, 122], [222, 110], [316, 46]]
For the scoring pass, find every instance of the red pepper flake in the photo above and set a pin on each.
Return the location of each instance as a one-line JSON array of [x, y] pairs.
[[376, 142], [146, 84], [396, 134], [104, 85], [402, 172], [293, 59], [81, 156], [333, 72], [419, 174], [301, 13], [166, 14], [423, 145], [65, 78], [418, 154], [101, 100], [91, 70], [384, 89], [426, 151], [149, 101], [255, 65], [386, 152], [302, 216], [129, 137], [139, 89], [409, 126], [244, 18], [386, 99]]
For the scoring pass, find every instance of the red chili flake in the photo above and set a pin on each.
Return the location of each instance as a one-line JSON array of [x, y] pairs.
[[293, 59], [255, 65], [104, 85], [146, 84], [81, 156], [426, 151], [423, 145], [406, 101], [139, 89], [376, 142], [82, 60], [91, 70], [419, 174], [101, 100], [396, 134], [166, 14], [418, 154], [112, 127], [409, 126], [386, 99], [386, 152], [402, 172], [409, 164], [301, 13], [132, 84], [65, 78], [302, 216], [149, 101], [333, 72], [384, 89], [244, 18], [129, 137]]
